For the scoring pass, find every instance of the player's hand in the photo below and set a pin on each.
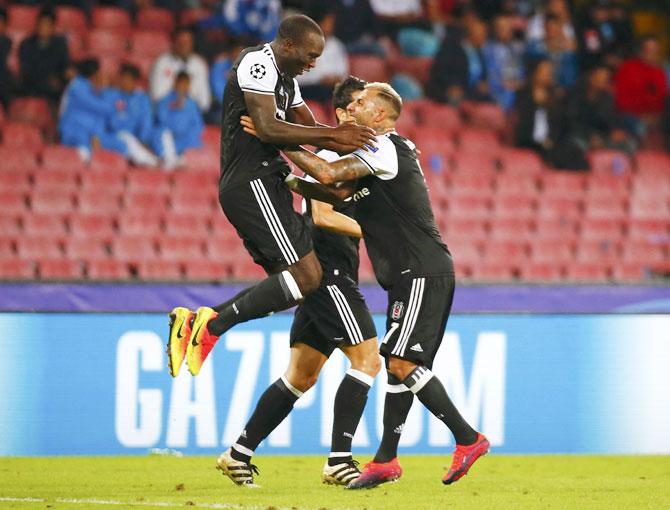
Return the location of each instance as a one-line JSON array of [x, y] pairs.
[[248, 125], [353, 135]]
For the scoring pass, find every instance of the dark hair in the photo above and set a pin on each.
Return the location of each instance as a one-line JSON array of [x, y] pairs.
[[3, 13], [343, 91], [130, 69], [320, 11], [297, 27], [182, 75], [88, 67], [47, 12], [179, 30]]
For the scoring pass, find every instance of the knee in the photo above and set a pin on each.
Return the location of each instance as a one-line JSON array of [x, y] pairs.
[[400, 368], [304, 381], [369, 364]]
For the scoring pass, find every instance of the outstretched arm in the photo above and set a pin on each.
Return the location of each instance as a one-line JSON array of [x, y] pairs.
[[349, 168], [315, 190], [326, 217]]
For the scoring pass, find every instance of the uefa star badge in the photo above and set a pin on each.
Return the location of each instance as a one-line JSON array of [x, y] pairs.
[[258, 71], [396, 310]]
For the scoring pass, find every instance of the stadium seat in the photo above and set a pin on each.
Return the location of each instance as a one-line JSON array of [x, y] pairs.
[[472, 228], [16, 269], [511, 227], [369, 67], [149, 43], [416, 67], [144, 64], [62, 157], [76, 45], [605, 208], [36, 247], [474, 162], [13, 202], [95, 226], [141, 222], [70, 19], [133, 249], [18, 181], [194, 179], [22, 17], [601, 229], [587, 272], [181, 202], [604, 252], [650, 186], [495, 271], [511, 251], [649, 208], [520, 185], [208, 271], [7, 245], [59, 269], [111, 182], [98, 201], [200, 160], [652, 163], [20, 136], [155, 18], [610, 162], [487, 116], [211, 138], [10, 225], [559, 208], [246, 270], [153, 181], [514, 206], [479, 141], [555, 229], [111, 18], [62, 179], [471, 183], [189, 16], [438, 115], [159, 270], [103, 42], [649, 230], [541, 272], [181, 248], [552, 252], [646, 253], [109, 269], [562, 184], [613, 186], [186, 225], [51, 201], [435, 149], [630, 272], [144, 201], [520, 162], [470, 206], [15, 161], [33, 110], [44, 224]]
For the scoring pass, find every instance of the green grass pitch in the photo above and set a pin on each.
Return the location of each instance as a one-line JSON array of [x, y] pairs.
[[496, 481]]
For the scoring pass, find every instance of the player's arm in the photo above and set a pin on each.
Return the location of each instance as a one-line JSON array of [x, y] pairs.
[[302, 115], [326, 217], [270, 129], [315, 190], [348, 168]]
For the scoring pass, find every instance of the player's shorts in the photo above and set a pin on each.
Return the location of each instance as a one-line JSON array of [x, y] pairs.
[[418, 309], [334, 314], [262, 213]]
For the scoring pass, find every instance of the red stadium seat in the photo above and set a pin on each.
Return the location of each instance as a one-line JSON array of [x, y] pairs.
[[10, 225], [111, 18], [555, 229], [76, 45], [630, 272], [480, 141], [182, 202], [211, 138], [474, 229], [474, 162], [149, 43], [22, 17], [108, 161], [195, 179], [488, 116], [613, 186], [154, 181], [553, 252], [144, 201], [472, 183], [91, 227], [499, 271], [514, 206], [62, 157], [159, 270], [35, 247], [147, 223], [111, 182], [516, 185], [98, 201], [649, 230], [610, 162], [155, 18], [645, 253], [587, 272], [649, 208], [186, 225], [59, 269], [562, 184], [58, 180], [605, 208], [200, 160], [51, 201], [470, 206], [19, 183], [133, 249], [15, 161], [519, 162], [13, 202], [416, 67], [598, 251], [181, 248], [44, 224], [656, 164], [20, 136], [108, 43], [561, 208], [511, 228], [7, 245], [601, 229], [208, 270], [510, 251], [369, 67], [650, 186], [32, 110], [541, 272], [435, 149], [246, 269], [191, 15], [438, 116], [109, 269], [70, 19], [16, 269]]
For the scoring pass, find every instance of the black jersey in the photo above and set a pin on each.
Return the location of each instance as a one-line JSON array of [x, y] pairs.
[[335, 251], [244, 157], [394, 212]]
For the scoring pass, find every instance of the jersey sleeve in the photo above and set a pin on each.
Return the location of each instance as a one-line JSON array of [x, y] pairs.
[[297, 96], [257, 73], [329, 156], [382, 159]]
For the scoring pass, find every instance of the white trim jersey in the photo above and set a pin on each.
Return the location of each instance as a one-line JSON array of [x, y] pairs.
[[244, 157], [394, 211]]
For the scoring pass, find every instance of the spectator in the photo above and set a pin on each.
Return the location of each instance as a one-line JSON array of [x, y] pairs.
[[559, 49], [459, 70], [331, 67], [84, 113], [397, 14], [539, 123], [132, 119], [218, 76], [253, 20], [504, 62], [179, 123], [597, 38], [592, 119], [558, 9], [641, 85], [43, 59], [6, 81], [355, 25], [181, 58]]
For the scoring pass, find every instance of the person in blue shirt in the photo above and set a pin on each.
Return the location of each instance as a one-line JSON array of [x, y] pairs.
[[84, 113], [257, 20], [132, 119], [503, 57], [179, 123]]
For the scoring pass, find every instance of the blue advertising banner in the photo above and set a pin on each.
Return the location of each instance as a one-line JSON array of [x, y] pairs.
[[97, 384]]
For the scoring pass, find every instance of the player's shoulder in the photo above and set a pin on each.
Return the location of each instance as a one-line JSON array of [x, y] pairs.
[[260, 54]]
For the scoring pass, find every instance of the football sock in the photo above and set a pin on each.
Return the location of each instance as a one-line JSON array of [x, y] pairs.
[[397, 404], [277, 292], [226, 304], [350, 401], [274, 405], [428, 388]]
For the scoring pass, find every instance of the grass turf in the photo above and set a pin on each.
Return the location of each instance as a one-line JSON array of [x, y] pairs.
[[496, 481]]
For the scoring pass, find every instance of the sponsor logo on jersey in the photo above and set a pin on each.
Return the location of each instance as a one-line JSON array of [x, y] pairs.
[[397, 309], [416, 348], [360, 194]]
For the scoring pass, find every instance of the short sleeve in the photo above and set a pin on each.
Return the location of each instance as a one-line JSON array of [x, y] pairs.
[[329, 156], [382, 159], [257, 73], [297, 96]]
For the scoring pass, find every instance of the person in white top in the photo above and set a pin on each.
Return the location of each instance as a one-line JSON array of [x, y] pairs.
[[181, 58]]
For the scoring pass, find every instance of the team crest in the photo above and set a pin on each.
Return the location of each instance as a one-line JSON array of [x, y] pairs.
[[258, 71], [396, 310]]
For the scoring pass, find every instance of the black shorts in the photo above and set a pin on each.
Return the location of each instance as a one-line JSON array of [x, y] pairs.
[[334, 314], [417, 314], [261, 211]]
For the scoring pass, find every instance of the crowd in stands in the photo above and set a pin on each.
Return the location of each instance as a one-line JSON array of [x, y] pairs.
[[560, 84]]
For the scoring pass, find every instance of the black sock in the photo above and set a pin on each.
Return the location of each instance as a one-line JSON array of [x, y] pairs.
[[349, 404], [226, 304], [274, 405], [270, 295], [432, 394], [397, 404]]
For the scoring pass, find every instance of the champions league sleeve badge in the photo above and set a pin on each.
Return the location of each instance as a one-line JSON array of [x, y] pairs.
[[257, 71]]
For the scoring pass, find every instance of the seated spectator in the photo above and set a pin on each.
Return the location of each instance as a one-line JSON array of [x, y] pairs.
[[355, 26], [253, 20], [394, 16], [591, 117], [641, 86], [132, 118], [459, 69], [539, 122], [559, 49], [6, 80], [181, 58], [84, 113], [43, 59], [331, 67], [218, 76], [559, 10], [179, 123], [597, 37], [504, 62]]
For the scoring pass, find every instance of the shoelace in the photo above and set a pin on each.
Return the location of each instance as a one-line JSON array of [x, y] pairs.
[[250, 470]]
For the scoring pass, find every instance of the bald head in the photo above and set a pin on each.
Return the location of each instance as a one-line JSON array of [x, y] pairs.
[[296, 28], [388, 96]]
